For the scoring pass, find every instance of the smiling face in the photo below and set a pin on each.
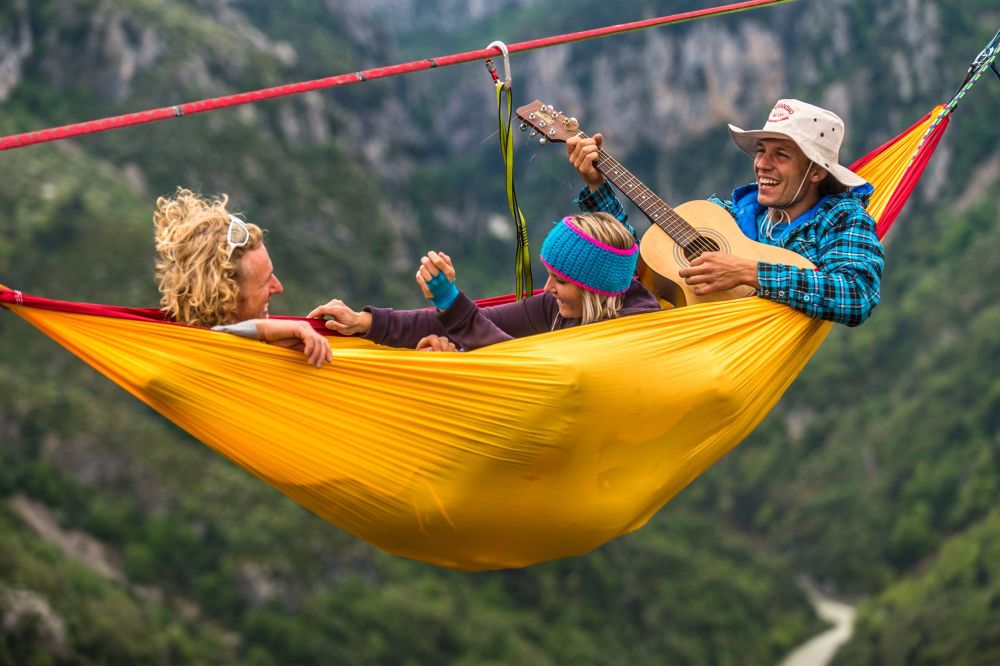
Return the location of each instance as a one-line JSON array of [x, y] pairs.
[[567, 295], [780, 167], [257, 283]]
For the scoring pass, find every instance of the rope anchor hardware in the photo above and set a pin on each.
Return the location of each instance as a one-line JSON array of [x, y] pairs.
[[506, 64]]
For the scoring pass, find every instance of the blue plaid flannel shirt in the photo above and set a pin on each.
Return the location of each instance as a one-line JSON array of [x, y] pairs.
[[838, 237]]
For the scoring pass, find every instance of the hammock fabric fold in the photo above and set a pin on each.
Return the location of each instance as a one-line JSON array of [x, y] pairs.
[[545, 447]]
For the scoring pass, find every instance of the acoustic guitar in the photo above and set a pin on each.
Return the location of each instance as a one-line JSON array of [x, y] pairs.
[[675, 236]]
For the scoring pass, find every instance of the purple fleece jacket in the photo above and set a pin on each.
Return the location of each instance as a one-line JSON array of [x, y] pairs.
[[471, 327]]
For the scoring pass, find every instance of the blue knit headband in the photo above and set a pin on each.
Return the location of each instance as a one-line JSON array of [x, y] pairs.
[[588, 263]]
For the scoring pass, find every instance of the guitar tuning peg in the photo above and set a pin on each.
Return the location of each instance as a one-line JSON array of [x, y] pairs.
[[533, 134], [524, 126], [543, 141]]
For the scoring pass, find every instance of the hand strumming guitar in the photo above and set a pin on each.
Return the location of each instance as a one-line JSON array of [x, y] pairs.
[[719, 271]]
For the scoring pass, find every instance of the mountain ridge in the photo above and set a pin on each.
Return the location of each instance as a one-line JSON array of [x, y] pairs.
[[882, 455]]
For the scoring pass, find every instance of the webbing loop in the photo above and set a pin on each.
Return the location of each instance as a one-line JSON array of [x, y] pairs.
[[980, 64], [506, 63], [523, 284]]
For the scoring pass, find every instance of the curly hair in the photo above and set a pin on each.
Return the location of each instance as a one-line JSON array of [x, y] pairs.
[[197, 279]]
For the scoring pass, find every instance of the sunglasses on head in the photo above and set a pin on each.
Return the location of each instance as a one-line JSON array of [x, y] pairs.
[[238, 234]]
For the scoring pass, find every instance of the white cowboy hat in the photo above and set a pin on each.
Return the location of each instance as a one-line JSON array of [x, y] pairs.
[[817, 132]]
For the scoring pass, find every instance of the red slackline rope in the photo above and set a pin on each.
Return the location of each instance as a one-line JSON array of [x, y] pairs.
[[176, 111]]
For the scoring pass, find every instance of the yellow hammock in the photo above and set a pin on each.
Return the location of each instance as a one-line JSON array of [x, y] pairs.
[[530, 450]]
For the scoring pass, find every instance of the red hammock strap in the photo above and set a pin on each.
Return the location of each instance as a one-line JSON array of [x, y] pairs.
[[154, 315], [15, 297]]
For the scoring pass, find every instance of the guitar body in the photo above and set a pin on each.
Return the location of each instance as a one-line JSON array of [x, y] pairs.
[[661, 257]]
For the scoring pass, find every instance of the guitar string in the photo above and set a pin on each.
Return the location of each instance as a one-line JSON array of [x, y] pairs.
[[697, 245], [676, 226], [675, 222], [649, 204]]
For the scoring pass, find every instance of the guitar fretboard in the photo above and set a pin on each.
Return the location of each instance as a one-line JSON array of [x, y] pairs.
[[657, 210]]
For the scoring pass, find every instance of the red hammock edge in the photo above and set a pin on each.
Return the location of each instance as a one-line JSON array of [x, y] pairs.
[[911, 175], [154, 315]]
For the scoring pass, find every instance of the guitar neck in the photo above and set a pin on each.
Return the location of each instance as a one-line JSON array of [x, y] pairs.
[[657, 210]]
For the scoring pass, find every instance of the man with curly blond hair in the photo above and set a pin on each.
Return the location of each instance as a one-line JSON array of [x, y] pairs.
[[213, 270]]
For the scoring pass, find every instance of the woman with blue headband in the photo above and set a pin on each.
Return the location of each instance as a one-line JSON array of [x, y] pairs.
[[591, 261]]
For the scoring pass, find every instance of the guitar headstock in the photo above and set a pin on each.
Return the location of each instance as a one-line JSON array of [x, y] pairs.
[[551, 124]]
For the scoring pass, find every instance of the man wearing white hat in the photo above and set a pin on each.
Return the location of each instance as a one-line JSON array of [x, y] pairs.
[[802, 200]]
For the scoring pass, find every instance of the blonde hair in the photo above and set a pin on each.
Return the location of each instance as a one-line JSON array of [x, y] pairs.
[[197, 279], [607, 229]]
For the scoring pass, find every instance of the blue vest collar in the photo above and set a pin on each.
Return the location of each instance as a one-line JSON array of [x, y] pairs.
[[749, 213]]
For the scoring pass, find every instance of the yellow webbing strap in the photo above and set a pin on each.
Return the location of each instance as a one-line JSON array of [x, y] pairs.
[[523, 285]]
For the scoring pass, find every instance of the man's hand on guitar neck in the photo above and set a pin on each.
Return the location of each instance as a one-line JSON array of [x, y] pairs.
[[719, 271], [582, 152]]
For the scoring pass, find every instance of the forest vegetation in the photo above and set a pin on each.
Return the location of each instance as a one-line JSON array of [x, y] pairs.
[[125, 541]]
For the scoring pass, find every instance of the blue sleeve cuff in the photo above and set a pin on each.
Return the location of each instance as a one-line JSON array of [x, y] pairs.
[[604, 200]]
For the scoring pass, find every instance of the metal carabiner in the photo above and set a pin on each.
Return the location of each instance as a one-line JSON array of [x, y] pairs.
[[506, 61]]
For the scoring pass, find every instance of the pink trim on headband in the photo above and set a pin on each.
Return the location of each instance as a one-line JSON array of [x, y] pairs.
[[582, 285], [568, 221]]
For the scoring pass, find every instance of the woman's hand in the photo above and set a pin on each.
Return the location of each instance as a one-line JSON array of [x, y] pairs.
[[438, 343], [436, 277], [342, 319], [431, 264], [298, 335]]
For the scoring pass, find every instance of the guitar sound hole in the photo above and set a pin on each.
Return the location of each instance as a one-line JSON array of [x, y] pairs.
[[700, 246]]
